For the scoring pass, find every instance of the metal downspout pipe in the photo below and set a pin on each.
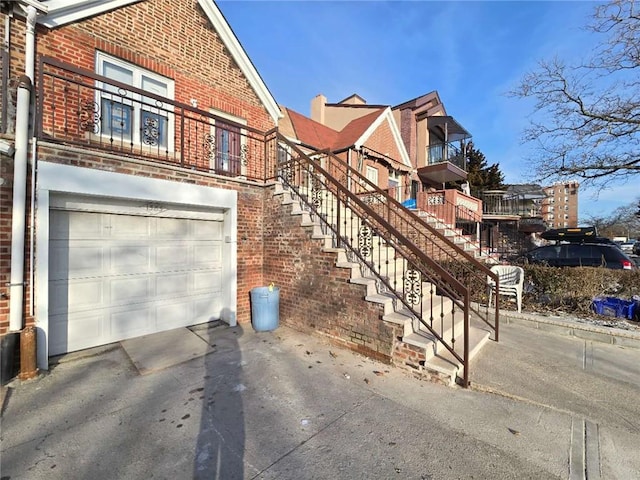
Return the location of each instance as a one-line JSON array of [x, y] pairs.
[[16, 287]]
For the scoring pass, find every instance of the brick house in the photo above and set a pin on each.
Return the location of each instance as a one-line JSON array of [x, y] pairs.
[[145, 186], [141, 193], [370, 143], [431, 142]]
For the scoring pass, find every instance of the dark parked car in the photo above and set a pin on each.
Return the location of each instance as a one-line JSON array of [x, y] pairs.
[[636, 248], [580, 255]]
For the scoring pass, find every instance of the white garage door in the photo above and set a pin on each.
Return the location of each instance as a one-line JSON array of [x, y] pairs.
[[115, 276]]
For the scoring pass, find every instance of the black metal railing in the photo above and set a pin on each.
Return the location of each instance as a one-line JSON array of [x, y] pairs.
[[446, 152], [426, 272], [79, 107]]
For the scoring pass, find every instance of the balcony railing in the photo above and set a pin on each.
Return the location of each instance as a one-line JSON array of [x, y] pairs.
[[79, 107], [446, 152], [501, 203]]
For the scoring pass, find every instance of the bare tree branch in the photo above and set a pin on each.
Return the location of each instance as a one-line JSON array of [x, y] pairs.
[[586, 117]]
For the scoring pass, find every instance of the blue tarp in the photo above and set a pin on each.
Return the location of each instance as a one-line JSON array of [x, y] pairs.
[[411, 203]]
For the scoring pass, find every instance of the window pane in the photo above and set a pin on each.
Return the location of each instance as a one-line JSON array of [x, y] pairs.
[[153, 129], [153, 86], [116, 72], [116, 119], [228, 157]]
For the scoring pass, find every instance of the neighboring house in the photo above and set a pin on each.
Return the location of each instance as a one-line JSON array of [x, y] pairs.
[[143, 214], [436, 142], [436, 147], [370, 143]]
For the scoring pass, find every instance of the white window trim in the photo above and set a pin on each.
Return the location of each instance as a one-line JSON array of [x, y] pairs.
[[101, 57], [372, 175], [395, 179]]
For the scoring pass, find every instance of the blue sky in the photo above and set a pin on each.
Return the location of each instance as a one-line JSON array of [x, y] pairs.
[[471, 52]]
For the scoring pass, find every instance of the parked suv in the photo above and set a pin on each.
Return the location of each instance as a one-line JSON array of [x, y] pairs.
[[579, 247], [636, 248]]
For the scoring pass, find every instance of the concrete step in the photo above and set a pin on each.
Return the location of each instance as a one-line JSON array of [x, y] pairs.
[[442, 360]]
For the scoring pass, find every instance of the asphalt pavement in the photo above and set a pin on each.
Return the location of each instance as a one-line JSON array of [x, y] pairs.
[[286, 405]]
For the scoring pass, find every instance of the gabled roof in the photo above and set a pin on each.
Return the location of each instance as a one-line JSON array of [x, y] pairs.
[[354, 97], [63, 12], [416, 103], [311, 133], [355, 134]]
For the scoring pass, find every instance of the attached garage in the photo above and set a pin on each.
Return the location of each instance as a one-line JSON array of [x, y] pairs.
[[118, 267], [114, 276]]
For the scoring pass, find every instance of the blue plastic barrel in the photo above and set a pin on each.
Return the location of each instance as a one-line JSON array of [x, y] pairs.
[[265, 308]]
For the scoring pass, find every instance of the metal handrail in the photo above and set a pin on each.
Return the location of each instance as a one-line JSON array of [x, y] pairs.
[[422, 230], [350, 207]]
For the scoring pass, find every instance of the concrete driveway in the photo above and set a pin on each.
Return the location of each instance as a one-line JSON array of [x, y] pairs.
[[285, 405]]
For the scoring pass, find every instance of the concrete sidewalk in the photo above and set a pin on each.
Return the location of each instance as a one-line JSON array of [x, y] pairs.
[[284, 405]]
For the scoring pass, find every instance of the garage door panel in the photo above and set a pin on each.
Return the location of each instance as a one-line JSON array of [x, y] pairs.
[[130, 258], [75, 259], [177, 228], [210, 281], [81, 225], [130, 290], [127, 322], [207, 254], [174, 315], [207, 230], [75, 295], [171, 256], [114, 277], [125, 226], [87, 330], [172, 284], [207, 308]]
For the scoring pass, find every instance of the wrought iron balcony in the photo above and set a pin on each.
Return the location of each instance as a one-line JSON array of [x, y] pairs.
[[79, 107]]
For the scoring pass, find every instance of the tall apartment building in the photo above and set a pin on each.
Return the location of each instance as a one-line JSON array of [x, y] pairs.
[[560, 206]]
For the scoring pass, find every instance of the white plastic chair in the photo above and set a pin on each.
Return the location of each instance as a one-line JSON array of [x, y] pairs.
[[511, 280]]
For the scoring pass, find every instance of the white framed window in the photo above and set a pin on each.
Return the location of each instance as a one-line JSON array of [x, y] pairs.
[[372, 174], [132, 118], [227, 154]]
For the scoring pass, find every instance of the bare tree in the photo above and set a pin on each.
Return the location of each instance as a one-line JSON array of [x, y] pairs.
[[623, 221], [586, 119]]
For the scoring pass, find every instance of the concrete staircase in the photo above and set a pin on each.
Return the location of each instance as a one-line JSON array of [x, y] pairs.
[[466, 242], [436, 357]]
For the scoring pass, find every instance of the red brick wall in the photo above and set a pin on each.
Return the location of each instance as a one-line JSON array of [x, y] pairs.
[[382, 141], [173, 39], [315, 295], [6, 173]]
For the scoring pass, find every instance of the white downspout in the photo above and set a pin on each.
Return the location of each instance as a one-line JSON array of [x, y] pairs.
[[16, 287]]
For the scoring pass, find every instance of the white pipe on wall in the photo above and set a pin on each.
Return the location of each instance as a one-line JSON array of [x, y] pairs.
[[16, 285]]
